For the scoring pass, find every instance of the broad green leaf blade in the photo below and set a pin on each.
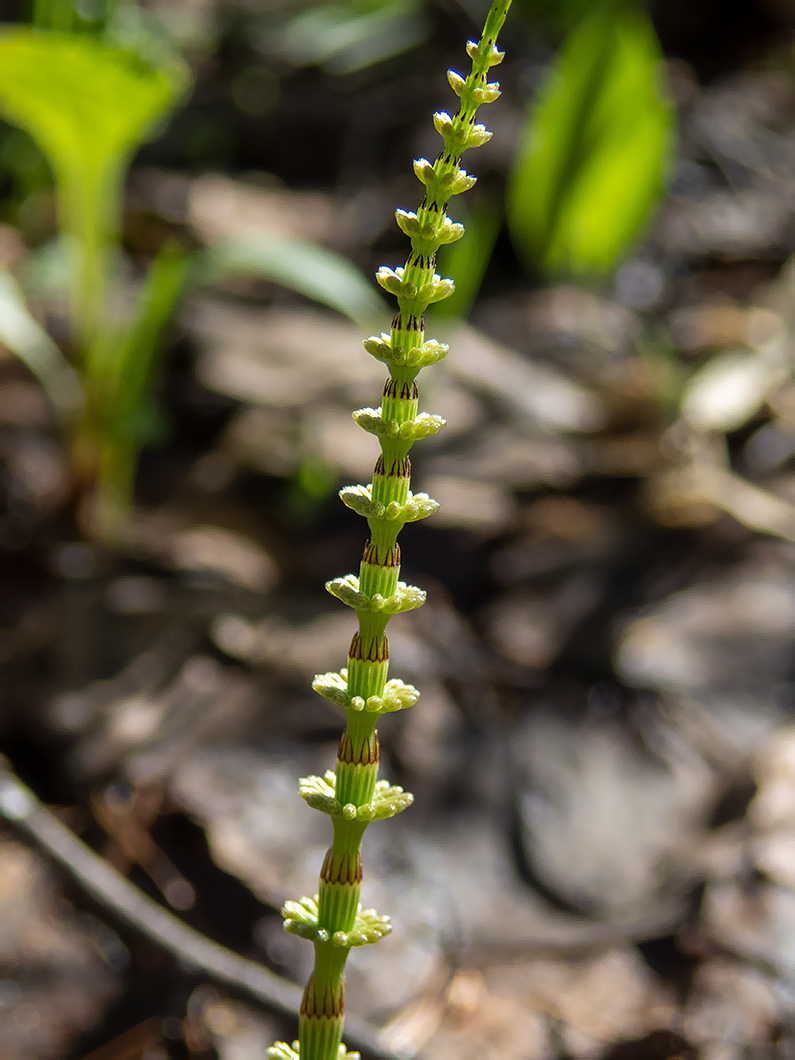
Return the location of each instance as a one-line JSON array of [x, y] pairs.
[[595, 150], [31, 343], [88, 106], [308, 269], [83, 102]]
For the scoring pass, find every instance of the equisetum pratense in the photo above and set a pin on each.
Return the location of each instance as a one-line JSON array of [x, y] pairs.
[[352, 795]]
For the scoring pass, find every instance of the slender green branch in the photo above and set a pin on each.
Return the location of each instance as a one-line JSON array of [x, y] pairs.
[[352, 795]]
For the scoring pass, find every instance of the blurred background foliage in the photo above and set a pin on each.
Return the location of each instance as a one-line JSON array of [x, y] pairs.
[[590, 164], [596, 149], [194, 197]]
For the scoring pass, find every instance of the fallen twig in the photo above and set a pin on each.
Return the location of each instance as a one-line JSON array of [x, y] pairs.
[[19, 805]]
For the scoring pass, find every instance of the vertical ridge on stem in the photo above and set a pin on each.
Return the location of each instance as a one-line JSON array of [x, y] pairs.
[[335, 922]]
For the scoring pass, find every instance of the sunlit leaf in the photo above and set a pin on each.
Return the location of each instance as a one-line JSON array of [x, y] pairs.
[[596, 147], [88, 106], [83, 102], [309, 269]]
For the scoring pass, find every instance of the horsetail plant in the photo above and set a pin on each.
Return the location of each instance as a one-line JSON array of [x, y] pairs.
[[352, 795]]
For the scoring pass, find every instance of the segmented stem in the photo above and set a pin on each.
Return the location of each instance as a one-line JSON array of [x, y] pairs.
[[352, 795]]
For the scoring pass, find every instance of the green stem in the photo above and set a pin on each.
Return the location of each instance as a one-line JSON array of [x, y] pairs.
[[335, 923], [90, 209]]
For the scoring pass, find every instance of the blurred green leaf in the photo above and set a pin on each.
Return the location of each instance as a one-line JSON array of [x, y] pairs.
[[28, 170], [304, 267], [596, 148], [120, 369], [314, 481], [83, 102], [88, 106], [123, 361], [466, 260], [69, 15], [346, 37], [31, 343]]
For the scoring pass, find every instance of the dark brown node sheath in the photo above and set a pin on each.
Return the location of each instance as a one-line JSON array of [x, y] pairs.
[[413, 323], [397, 469], [408, 391], [349, 870], [377, 651], [371, 556], [370, 752], [326, 1006]]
